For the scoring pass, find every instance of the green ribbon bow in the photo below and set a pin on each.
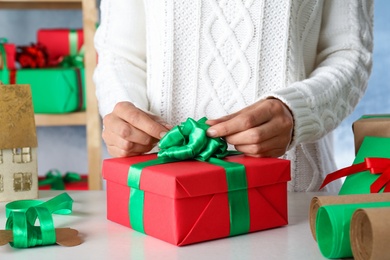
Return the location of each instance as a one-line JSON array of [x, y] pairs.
[[56, 181], [22, 215], [75, 57], [189, 141]]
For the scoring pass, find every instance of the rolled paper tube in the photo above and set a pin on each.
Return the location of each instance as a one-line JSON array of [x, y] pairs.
[[320, 201], [333, 227], [370, 230]]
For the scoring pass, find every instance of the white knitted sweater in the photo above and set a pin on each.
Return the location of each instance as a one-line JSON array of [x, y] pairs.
[[184, 58]]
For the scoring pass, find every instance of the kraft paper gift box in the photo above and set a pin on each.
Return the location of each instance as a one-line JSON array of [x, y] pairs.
[[188, 201], [370, 125], [60, 42], [370, 171]]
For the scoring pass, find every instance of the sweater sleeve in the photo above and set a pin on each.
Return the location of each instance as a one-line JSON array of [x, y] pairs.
[[120, 43], [339, 80]]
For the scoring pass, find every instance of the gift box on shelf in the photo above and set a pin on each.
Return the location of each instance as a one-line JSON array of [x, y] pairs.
[[55, 180], [54, 90], [61, 42], [370, 171], [371, 125], [188, 201]]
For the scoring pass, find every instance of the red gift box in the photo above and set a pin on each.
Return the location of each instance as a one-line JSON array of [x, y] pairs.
[[187, 202], [10, 54], [60, 42], [80, 184]]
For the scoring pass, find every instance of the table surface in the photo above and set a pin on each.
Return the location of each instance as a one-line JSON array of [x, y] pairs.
[[103, 239]]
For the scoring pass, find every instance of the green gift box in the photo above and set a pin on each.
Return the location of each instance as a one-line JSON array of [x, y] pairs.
[[370, 172], [54, 90]]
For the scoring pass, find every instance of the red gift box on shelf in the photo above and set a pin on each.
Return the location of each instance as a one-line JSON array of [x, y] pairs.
[[60, 43], [188, 201], [54, 180]]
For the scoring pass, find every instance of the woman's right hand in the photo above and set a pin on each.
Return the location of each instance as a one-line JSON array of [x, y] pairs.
[[129, 131]]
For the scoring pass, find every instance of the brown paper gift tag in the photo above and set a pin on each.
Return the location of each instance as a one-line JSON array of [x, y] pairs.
[[64, 237]]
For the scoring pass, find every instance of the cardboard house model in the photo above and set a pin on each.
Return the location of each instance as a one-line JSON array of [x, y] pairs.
[[18, 144]]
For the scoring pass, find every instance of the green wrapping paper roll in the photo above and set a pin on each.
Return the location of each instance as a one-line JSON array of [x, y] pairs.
[[333, 227], [319, 201]]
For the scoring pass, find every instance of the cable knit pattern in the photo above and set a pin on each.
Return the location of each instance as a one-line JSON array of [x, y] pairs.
[[180, 58]]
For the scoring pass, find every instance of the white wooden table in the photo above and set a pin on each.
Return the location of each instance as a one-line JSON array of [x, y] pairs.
[[103, 239]]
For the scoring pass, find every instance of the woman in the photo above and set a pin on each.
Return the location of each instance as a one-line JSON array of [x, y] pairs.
[[275, 77]]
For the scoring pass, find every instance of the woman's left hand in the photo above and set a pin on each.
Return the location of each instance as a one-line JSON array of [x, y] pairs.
[[263, 129]]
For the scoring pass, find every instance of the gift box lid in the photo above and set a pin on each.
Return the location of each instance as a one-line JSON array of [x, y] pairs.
[[193, 178]]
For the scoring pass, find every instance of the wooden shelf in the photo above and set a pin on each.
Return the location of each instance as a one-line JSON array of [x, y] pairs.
[[90, 118], [40, 4]]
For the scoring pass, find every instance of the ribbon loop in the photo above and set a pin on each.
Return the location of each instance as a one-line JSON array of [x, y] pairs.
[[23, 214], [190, 141]]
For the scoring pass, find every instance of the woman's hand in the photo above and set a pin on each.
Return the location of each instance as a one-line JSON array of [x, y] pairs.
[[129, 131], [263, 129]]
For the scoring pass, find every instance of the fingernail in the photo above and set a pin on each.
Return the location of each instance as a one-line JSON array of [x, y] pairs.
[[211, 132], [162, 134]]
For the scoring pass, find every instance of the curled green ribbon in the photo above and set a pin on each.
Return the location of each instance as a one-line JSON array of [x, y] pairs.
[[22, 215], [190, 141]]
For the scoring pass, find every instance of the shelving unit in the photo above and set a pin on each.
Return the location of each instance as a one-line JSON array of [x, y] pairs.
[[90, 118]]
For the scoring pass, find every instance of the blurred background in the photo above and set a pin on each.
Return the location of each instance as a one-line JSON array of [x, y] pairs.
[[377, 97], [64, 148]]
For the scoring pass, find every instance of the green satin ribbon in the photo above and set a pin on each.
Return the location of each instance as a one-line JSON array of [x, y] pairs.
[[5, 71], [189, 141], [56, 181], [375, 116], [22, 215], [75, 57]]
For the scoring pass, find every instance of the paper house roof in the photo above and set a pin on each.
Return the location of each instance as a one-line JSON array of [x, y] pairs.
[[17, 122]]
